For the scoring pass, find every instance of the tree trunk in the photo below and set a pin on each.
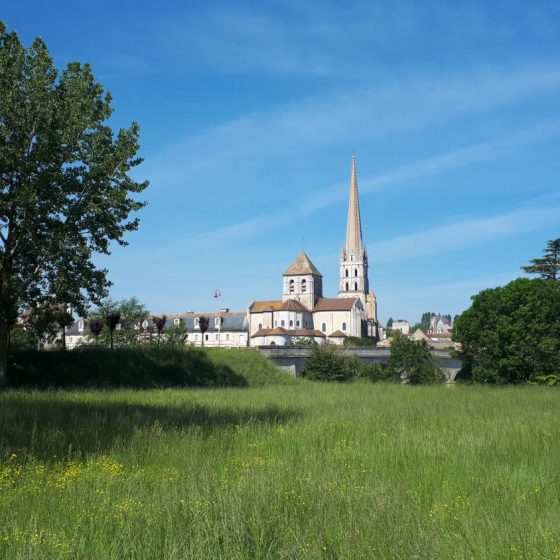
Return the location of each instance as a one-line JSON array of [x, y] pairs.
[[4, 335], [111, 334]]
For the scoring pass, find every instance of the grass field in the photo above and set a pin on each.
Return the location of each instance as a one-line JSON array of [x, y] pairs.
[[303, 471]]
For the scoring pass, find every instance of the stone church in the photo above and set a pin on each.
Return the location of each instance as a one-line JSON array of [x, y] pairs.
[[303, 312]]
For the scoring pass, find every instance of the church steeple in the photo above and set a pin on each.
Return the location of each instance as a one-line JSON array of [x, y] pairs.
[[353, 280], [354, 242]]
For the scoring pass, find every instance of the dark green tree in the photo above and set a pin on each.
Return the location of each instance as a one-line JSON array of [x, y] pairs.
[[512, 333], [548, 267], [413, 362], [65, 189], [389, 322], [203, 324], [112, 320], [96, 326], [159, 322]]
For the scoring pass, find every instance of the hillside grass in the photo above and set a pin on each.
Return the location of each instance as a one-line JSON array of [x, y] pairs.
[[353, 471], [145, 368]]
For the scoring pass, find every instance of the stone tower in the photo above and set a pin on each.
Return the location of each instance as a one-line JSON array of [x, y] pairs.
[[303, 282], [354, 281]]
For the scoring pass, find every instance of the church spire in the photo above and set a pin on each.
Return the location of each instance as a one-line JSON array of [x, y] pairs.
[[354, 242]]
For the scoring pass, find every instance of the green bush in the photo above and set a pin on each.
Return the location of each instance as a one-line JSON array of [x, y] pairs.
[[359, 342], [550, 380], [328, 363], [413, 362], [374, 372]]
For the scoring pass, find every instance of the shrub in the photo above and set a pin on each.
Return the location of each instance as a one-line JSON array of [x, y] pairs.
[[374, 372], [359, 341], [413, 362], [328, 363]]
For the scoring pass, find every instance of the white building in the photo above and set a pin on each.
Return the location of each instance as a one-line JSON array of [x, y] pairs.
[[303, 312]]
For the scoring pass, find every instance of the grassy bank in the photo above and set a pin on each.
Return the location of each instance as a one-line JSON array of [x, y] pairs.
[[143, 368], [307, 471]]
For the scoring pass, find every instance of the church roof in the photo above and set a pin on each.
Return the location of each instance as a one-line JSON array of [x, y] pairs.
[[337, 334], [293, 305], [279, 331], [302, 265], [266, 305], [335, 304]]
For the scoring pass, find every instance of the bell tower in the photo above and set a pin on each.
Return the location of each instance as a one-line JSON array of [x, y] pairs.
[[353, 280]]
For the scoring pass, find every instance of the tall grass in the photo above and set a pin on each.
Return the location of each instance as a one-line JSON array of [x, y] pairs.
[[305, 471]]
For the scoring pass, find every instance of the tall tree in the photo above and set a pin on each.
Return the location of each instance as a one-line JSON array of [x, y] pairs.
[[65, 189], [511, 333], [548, 267]]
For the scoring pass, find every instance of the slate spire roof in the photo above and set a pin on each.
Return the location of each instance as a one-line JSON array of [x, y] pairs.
[[302, 265], [354, 241]]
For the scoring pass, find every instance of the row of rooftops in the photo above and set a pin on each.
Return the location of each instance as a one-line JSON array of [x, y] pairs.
[[322, 304], [280, 331]]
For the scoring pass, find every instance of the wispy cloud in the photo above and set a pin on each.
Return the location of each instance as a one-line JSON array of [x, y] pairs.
[[466, 233], [477, 153]]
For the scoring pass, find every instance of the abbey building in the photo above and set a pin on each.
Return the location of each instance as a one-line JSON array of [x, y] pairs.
[[303, 311]]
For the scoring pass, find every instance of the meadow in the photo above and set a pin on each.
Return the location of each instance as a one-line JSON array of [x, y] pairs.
[[301, 471]]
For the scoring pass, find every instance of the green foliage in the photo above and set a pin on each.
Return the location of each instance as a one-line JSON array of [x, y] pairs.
[[131, 313], [512, 333], [142, 368], [547, 267], [389, 322], [550, 380], [175, 336], [374, 372], [359, 342], [413, 362], [22, 339], [65, 188], [328, 363]]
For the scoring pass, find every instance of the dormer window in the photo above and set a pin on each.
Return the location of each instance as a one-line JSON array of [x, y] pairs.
[[197, 323], [217, 322], [177, 321], [81, 325]]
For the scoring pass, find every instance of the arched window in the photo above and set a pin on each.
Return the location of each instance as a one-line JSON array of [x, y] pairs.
[[291, 323], [346, 273], [356, 286], [260, 326], [356, 272], [324, 327], [346, 286], [303, 286], [343, 326], [282, 323], [297, 323], [291, 286]]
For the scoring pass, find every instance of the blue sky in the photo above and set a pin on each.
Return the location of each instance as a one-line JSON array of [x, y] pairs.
[[249, 112]]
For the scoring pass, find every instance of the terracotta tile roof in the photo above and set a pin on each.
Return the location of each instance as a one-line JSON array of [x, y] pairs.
[[302, 265], [337, 334], [263, 306], [279, 331], [335, 304], [293, 305], [440, 335]]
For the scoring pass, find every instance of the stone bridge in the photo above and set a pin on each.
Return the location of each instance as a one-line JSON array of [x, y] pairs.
[[292, 358]]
